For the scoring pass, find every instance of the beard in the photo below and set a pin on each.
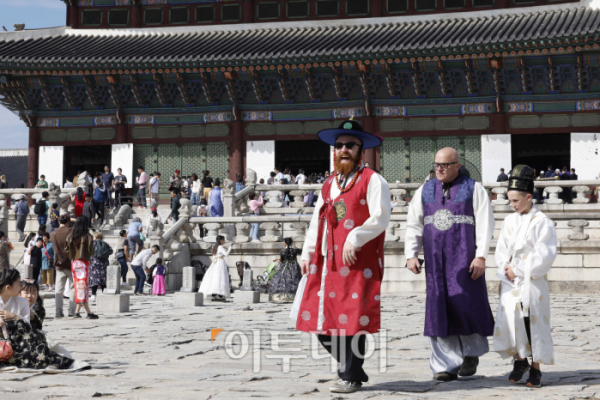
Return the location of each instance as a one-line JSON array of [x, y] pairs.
[[346, 168]]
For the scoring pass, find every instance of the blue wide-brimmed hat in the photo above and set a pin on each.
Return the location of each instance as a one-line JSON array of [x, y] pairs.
[[351, 128]]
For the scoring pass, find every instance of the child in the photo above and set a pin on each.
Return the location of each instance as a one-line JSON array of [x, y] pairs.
[[158, 286], [525, 252], [35, 252], [30, 290], [54, 217], [88, 209]]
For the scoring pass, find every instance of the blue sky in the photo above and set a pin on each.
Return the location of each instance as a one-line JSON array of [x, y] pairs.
[[35, 14]]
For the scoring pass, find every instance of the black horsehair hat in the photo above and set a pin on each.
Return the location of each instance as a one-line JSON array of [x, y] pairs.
[[521, 179], [351, 128]]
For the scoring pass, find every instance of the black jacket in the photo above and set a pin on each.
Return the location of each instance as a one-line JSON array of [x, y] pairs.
[[88, 210]]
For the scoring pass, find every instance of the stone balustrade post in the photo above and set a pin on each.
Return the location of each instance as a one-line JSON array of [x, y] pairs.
[[501, 199], [213, 232], [113, 279], [242, 232], [228, 198], [123, 215], [156, 237], [390, 232], [271, 232], [112, 300], [53, 193], [578, 225], [188, 296], [274, 197], [399, 195], [553, 195], [25, 270], [64, 202], [581, 194], [298, 196], [299, 234]]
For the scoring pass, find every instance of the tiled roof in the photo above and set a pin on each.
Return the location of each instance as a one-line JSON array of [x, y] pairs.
[[328, 39]]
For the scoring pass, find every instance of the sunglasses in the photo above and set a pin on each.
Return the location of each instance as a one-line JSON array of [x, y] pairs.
[[349, 145]]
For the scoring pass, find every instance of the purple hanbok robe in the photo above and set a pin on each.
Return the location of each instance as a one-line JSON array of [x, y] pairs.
[[215, 203], [456, 304]]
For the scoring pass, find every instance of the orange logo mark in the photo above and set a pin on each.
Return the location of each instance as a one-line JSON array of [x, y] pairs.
[[214, 333]]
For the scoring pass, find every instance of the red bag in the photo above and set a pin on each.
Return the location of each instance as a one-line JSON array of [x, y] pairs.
[[6, 351]]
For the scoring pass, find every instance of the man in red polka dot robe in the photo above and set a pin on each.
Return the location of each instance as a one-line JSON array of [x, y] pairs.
[[343, 255]]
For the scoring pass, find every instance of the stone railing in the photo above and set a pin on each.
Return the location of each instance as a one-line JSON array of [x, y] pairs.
[[553, 193]]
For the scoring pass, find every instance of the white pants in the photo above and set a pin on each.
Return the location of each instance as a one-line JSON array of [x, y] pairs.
[[447, 353]]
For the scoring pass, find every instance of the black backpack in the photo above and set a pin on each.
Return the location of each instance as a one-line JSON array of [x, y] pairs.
[[103, 250], [40, 207]]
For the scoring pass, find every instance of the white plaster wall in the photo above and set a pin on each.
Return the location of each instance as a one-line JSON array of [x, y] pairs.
[[585, 155], [260, 156], [50, 163], [122, 157], [496, 153]]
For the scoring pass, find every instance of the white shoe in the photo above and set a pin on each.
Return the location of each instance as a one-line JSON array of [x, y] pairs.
[[92, 298], [343, 386]]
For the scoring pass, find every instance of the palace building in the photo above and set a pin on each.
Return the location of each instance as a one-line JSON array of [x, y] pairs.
[[222, 85]]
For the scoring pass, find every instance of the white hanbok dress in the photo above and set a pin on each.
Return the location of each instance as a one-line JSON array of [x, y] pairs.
[[527, 243], [216, 279]]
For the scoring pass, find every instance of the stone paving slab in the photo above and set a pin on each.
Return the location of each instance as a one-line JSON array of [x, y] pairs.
[[156, 351]]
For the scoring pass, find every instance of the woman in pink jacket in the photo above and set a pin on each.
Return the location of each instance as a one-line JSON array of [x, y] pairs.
[[255, 211]]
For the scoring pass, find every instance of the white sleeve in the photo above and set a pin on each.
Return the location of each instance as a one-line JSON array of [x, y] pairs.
[[501, 255], [22, 309], [226, 253], [310, 239], [413, 241], [380, 210], [540, 260], [484, 220], [147, 257]]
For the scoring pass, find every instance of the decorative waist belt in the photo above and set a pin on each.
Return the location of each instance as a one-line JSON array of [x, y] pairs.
[[443, 219]]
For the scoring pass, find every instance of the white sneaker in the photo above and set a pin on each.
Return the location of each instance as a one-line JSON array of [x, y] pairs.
[[92, 298], [343, 386]]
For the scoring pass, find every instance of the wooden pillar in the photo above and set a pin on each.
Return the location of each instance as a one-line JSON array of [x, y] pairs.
[[33, 159], [121, 133], [136, 16], [376, 8], [73, 16], [247, 11], [236, 150], [368, 124]]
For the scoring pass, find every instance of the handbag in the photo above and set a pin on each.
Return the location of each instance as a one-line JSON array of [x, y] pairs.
[[6, 350], [298, 299], [50, 259], [120, 254], [142, 237]]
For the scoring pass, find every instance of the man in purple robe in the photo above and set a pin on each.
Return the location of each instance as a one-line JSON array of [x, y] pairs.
[[451, 218]]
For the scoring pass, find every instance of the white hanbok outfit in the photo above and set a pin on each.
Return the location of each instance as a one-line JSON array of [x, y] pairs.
[[216, 279], [527, 243], [17, 305]]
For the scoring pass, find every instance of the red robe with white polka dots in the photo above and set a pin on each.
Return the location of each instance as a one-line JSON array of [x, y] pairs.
[[344, 299]]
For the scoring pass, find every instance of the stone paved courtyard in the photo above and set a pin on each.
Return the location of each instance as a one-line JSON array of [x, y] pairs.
[[158, 352]]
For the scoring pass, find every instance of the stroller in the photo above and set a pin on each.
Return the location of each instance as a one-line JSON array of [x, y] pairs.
[[261, 283]]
